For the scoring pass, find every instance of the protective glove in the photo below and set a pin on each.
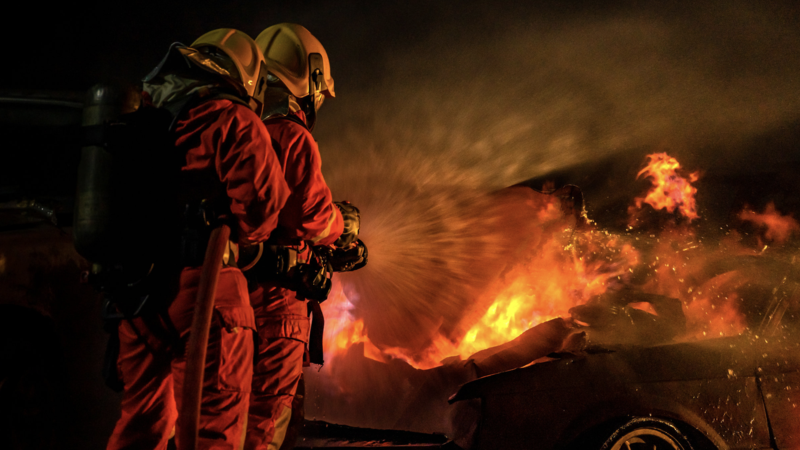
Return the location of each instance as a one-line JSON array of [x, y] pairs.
[[352, 224], [349, 259]]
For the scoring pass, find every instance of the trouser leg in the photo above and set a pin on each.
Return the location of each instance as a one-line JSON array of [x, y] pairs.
[[148, 405], [226, 386], [278, 367], [295, 426]]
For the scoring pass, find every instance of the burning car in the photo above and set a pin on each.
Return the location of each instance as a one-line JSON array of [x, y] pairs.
[[665, 332], [731, 392], [718, 369]]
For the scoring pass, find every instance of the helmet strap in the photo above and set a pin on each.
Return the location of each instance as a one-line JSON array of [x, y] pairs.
[[316, 84], [258, 99], [309, 108]]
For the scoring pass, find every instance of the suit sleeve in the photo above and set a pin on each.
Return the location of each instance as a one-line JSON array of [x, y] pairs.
[[316, 218], [252, 176]]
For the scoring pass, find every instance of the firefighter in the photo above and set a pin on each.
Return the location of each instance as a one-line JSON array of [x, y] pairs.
[[298, 81], [210, 88]]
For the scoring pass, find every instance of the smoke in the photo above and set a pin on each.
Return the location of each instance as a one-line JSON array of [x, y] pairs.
[[540, 93], [480, 101]]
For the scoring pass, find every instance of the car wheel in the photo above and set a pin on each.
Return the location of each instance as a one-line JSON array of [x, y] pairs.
[[647, 434]]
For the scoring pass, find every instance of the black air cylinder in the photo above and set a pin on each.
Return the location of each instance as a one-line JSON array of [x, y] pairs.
[[93, 229]]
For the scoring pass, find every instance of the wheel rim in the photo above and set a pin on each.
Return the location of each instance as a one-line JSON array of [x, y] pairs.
[[646, 439]]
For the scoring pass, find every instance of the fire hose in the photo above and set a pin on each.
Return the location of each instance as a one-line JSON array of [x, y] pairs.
[[189, 416]]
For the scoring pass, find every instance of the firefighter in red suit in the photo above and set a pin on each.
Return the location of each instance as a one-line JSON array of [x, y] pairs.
[[210, 90], [298, 80]]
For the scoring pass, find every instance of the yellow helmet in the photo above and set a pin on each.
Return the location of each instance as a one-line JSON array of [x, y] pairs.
[[297, 58], [243, 53]]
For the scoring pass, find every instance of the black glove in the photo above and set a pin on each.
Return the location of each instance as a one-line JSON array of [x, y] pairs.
[[349, 259], [311, 281], [352, 224]]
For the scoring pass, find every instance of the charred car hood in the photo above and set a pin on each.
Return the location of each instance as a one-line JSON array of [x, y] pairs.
[[714, 358]]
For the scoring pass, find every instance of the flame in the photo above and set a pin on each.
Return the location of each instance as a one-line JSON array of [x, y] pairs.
[[670, 190], [568, 267], [778, 228], [553, 280], [342, 328], [548, 285]]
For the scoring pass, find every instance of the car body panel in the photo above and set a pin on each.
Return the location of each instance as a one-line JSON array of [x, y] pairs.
[[779, 378], [710, 386]]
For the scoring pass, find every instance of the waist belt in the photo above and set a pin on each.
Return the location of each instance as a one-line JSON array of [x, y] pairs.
[[269, 263]]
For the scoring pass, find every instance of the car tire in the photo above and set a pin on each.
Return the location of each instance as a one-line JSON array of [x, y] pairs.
[[645, 433]]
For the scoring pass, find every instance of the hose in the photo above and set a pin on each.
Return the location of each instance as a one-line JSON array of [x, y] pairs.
[[189, 416]]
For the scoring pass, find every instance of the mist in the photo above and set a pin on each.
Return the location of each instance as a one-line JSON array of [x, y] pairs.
[[489, 106]]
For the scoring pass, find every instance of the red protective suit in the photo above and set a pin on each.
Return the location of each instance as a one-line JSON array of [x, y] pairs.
[[224, 145], [281, 319]]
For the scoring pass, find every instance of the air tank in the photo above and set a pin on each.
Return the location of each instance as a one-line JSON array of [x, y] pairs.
[[93, 227]]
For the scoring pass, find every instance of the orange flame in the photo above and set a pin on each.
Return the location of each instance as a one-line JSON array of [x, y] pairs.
[[556, 278], [547, 286], [670, 190], [778, 227], [342, 329], [569, 267]]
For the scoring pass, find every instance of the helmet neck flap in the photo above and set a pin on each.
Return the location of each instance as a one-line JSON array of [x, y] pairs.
[[279, 102], [186, 62], [226, 58]]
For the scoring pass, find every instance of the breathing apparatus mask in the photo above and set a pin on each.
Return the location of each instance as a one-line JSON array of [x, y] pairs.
[[279, 101]]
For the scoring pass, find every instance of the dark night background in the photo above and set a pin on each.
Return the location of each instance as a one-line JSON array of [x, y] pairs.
[[435, 98], [497, 91]]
